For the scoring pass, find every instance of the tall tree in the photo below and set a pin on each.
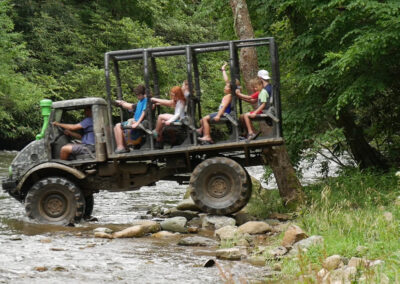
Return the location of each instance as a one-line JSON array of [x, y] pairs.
[[277, 157]]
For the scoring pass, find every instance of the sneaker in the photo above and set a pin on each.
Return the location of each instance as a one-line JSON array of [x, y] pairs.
[[121, 151], [251, 136]]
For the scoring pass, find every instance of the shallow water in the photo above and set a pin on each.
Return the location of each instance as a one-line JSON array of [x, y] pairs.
[[35, 253]]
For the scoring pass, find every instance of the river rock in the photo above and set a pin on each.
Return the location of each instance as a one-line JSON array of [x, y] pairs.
[[187, 204], [103, 230], [148, 225], [156, 210], [278, 251], [357, 262], [280, 216], [175, 224], [229, 253], [257, 260], [189, 215], [377, 262], [197, 241], [341, 275], [254, 227], [195, 222], [102, 235], [293, 235], [163, 234], [361, 250], [41, 268], [332, 262], [242, 218], [226, 233], [131, 232], [305, 244], [212, 222]]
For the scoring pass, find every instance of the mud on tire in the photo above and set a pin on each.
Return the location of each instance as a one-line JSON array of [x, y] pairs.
[[220, 186], [55, 200]]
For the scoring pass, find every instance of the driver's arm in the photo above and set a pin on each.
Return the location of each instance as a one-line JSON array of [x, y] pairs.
[[68, 126]]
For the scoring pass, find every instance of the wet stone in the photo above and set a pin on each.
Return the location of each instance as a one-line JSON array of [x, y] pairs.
[[254, 227], [103, 230], [187, 204], [197, 241], [175, 224], [15, 238], [212, 222], [189, 215]]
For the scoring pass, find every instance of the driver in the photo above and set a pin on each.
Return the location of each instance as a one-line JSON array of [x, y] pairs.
[[87, 138]]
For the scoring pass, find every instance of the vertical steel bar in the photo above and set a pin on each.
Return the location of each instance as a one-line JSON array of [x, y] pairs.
[[233, 64], [197, 83], [119, 88], [147, 85], [237, 76], [155, 80], [276, 84], [190, 103], [108, 90]]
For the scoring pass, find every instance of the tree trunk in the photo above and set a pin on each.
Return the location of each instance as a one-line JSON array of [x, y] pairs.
[[365, 155], [277, 157], [289, 185], [244, 30]]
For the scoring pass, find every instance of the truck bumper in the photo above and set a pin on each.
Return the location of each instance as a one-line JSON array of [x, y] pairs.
[[10, 186]]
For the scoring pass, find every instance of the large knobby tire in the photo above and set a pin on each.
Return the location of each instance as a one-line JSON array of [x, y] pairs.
[[55, 200], [220, 186]]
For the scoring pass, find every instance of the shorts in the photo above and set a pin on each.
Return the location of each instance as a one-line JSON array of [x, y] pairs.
[[259, 112], [214, 114], [81, 149]]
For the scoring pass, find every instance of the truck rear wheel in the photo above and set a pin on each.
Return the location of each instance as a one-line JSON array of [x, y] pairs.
[[220, 186], [55, 200]]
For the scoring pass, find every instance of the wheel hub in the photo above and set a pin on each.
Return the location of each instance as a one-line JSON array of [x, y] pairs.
[[218, 186], [54, 205]]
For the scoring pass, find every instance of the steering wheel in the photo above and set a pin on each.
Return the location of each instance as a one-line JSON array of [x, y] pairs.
[[60, 131]]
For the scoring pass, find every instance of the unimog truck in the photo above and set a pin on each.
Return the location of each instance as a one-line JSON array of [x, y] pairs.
[[59, 191]]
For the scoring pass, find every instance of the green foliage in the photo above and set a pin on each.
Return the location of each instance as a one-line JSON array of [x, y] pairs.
[[17, 96], [334, 55], [348, 211]]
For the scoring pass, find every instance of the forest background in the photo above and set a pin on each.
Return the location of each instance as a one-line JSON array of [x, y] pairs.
[[339, 62]]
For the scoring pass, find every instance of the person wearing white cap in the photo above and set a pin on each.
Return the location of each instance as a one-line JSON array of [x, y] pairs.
[[263, 99]]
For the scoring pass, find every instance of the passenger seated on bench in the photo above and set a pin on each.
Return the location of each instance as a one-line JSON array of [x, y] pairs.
[[263, 99], [87, 140], [256, 86], [177, 102], [224, 107], [138, 117]]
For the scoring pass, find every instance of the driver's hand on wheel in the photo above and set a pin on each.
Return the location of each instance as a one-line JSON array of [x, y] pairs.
[[67, 132], [55, 123]]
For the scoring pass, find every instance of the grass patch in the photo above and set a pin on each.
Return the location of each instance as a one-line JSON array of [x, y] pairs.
[[355, 209]]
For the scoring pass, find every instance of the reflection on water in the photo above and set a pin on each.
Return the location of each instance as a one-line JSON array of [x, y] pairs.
[[36, 253]]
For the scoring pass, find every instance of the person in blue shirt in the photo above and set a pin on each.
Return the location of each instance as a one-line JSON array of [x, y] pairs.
[[138, 117], [87, 139]]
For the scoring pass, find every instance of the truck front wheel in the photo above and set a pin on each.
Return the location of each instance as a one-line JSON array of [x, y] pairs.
[[55, 200], [220, 186]]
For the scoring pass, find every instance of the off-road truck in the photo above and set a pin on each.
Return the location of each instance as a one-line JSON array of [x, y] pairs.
[[61, 191]]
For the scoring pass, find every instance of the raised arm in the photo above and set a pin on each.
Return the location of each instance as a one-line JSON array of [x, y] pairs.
[[226, 79]]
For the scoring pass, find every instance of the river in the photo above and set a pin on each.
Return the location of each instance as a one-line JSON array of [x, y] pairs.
[[35, 253]]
